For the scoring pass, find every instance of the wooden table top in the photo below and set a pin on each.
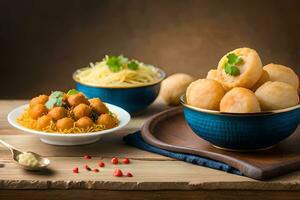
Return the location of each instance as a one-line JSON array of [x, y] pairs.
[[151, 171]]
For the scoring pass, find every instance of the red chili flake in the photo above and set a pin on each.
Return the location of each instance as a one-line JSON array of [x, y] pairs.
[[118, 173], [95, 170], [101, 164], [128, 174], [114, 161], [87, 156], [125, 161], [87, 167], [75, 170]]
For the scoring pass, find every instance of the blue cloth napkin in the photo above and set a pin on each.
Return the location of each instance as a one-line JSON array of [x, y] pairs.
[[136, 140]]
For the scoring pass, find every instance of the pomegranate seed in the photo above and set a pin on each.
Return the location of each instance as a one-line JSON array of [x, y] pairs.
[[114, 161], [87, 156], [129, 174], [87, 167], [125, 161], [101, 164], [95, 170], [118, 173], [76, 170]]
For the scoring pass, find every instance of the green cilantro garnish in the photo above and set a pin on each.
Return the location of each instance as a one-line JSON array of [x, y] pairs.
[[230, 67], [114, 63], [56, 98], [117, 63], [133, 65], [72, 92]]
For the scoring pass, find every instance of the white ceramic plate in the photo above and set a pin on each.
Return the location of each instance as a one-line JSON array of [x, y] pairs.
[[70, 139]]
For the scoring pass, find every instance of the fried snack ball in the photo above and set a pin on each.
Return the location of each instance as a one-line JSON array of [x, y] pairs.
[[64, 123], [263, 78], [106, 120], [205, 93], [174, 86], [57, 113], [82, 110], [276, 95], [240, 100], [98, 106], [42, 99], [77, 99], [84, 122], [282, 73], [250, 69], [43, 121], [37, 111], [212, 74]]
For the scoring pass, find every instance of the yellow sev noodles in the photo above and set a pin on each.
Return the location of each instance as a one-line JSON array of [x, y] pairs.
[[99, 74], [26, 121]]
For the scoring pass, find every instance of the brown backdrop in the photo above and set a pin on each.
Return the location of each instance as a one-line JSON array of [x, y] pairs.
[[43, 42]]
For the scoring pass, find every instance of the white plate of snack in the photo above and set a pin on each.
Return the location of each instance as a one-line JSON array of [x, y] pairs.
[[68, 118]]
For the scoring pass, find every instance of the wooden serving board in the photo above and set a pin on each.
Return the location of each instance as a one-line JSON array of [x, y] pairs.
[[168, 130]]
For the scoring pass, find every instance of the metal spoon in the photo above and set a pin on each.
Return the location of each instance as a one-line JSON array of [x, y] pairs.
[[43, 162]]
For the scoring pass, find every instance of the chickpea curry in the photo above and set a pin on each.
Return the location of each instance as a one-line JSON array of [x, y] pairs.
[[69, 112]]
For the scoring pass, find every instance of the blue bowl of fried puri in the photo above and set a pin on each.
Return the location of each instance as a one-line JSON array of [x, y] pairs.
[[242, 132], [131, 98]]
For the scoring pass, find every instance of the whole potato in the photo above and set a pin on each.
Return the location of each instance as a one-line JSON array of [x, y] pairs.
[[174, 86]]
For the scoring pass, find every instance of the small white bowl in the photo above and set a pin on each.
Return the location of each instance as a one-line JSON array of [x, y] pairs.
[[70, 138]]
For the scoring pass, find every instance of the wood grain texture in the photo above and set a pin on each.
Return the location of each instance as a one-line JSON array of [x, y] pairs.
[[169, 130], [151, 171], [146, 195]]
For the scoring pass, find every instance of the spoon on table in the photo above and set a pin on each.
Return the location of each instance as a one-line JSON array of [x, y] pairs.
[[42, 161]]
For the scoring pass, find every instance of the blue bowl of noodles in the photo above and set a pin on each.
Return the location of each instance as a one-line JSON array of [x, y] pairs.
[[132, 94]]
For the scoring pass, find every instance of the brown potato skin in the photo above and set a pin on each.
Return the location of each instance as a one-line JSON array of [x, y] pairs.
[[82, 110], [42, 99], [37, 111], [44, 121], [57, 113], [107, 120], [98, 106], [84, 122], [65, 123], [76, 99]]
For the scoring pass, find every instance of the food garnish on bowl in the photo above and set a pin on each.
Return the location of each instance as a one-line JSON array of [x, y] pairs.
[[69, 112], [118, 80], [242, 105], [118, 71]]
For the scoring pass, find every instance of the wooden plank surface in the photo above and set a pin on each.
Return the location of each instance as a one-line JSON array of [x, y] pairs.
[[151, 171]]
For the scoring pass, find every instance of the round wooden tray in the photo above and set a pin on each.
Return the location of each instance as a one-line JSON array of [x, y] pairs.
[[168, 130]]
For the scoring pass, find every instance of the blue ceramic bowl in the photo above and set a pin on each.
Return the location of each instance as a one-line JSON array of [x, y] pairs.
[[132, 99], [242, 132]]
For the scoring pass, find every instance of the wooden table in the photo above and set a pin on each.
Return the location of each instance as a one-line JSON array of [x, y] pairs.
[[155, 176]]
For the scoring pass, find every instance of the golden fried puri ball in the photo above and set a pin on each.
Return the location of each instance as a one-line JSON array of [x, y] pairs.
[[276, 95], [174, 86], [43, 121], [37, 111], [98, 106], [239, 100], [82, 110], [205, 93], [212, 74], [84, 122], [263, 78], [106, 120], [57, 113], [64, 123], [282, 74], [250, 68], [42, 99], [77, 99]]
